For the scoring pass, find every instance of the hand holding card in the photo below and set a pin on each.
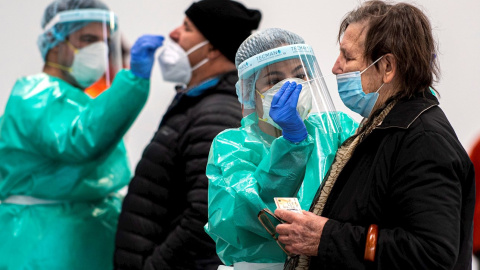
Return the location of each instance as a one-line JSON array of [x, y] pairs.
[[286, 203]]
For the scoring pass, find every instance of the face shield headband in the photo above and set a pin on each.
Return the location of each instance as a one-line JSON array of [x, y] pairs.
[[259, 61], [248, 70], [87, 15]]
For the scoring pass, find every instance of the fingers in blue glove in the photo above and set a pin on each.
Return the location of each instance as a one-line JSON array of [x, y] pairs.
[[279, 94], [283, 95], [142, 54], [293, 98], [146, 45], [284, 112], [288, 93]]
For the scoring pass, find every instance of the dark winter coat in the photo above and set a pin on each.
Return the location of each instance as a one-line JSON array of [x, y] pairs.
[[411, 177], [163, 214]]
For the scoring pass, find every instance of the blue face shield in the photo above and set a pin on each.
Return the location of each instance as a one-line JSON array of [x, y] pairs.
[[351, 92]]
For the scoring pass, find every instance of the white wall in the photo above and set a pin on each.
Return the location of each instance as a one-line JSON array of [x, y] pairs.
[[456, 27]]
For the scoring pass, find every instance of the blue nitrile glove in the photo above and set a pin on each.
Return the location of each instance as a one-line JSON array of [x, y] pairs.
[[284, 112], [142, 55]]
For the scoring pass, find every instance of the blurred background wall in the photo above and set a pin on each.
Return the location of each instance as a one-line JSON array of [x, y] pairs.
[[456, 27]]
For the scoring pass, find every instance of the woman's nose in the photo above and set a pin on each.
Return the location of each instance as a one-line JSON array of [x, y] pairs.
[[337, 69]]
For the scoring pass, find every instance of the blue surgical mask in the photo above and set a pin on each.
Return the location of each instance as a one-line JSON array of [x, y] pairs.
[[351, 92]]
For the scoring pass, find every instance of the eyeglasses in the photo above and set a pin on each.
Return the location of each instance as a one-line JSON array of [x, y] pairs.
[[269, 221], [291, 263]]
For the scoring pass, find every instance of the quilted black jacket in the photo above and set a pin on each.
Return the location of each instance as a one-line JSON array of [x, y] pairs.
[[163, 214]]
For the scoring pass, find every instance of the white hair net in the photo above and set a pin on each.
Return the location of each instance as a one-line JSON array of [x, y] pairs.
[[257, 43]]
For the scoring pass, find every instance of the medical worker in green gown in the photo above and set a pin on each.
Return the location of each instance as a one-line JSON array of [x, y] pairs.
[[62, 159], [286, 143]]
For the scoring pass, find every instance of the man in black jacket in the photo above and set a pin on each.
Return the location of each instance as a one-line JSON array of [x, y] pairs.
[[163, 214], [401, 192]]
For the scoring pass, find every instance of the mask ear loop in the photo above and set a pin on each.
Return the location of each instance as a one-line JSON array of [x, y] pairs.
[[380, 87], [61, 67], [75, 50], [376, 92], [55, 65], [257, 74], [369, 67], [196, 47], [372, 64], [261, 95], [201, 63]]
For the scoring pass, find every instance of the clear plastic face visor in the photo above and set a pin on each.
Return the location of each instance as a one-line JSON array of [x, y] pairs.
[[90, 55], [297, 62]]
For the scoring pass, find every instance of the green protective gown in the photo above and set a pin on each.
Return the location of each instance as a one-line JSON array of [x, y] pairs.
[[248, 168], [58, 144]]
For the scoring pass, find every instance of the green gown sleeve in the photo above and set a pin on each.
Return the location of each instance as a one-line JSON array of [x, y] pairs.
[[58, 143], [61, 122]]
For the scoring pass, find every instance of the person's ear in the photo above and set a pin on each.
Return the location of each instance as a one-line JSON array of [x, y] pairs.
[[389, 63], [213, 52]]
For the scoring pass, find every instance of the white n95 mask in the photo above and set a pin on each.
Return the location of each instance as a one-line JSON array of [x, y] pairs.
[[174, 64], [304, 105], [89, 63]]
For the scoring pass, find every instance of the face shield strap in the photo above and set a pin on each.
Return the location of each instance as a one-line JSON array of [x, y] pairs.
[[100, 15]]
